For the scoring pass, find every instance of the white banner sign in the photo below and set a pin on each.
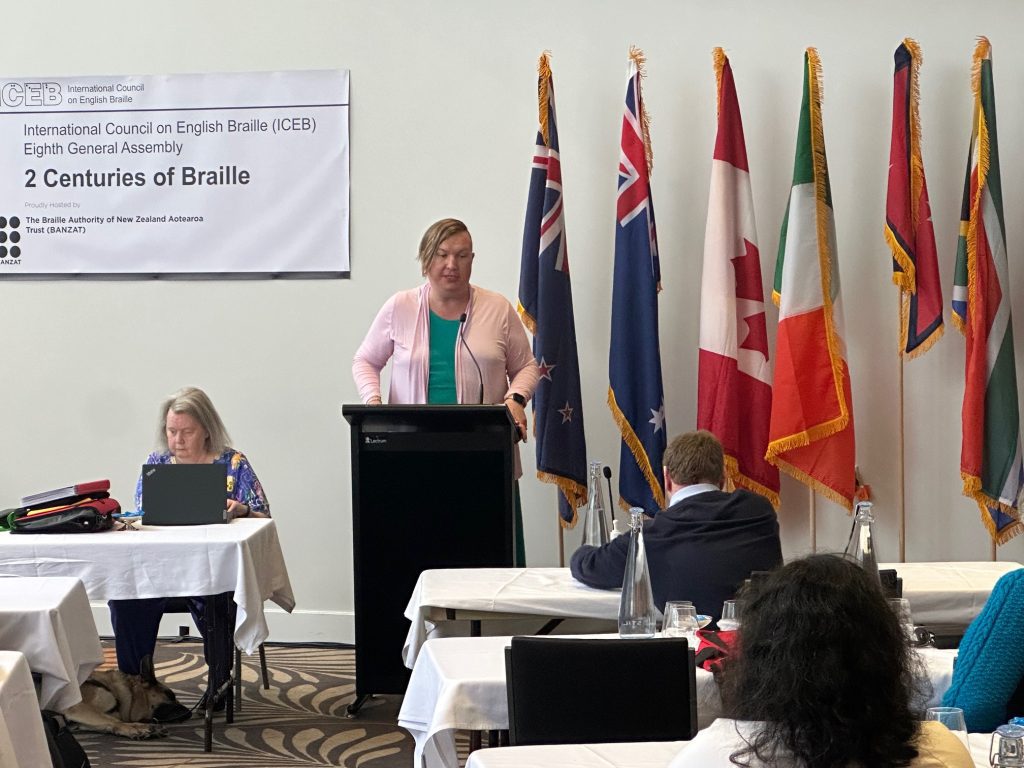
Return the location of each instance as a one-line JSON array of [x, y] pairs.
[[217, 174]]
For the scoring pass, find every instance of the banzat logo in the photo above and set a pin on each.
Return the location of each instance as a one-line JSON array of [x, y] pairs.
[[10, 237], [30, 94]]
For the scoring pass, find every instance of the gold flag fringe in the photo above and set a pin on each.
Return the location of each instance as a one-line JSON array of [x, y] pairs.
[[736, 477], [574, 493], [972, 489], [825, 256], [842, 421], [924, 346], [640, 62], [527, 318], [916, 163], [720, 60], [543, 94], [817, 486], [964, 232], [636, 448], [907, 279], [980, 152]]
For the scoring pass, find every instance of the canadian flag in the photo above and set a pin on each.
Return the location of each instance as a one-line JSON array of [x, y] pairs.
[[734, 380]]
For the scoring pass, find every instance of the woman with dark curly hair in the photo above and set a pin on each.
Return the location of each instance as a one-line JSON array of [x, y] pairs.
[[823, 679]]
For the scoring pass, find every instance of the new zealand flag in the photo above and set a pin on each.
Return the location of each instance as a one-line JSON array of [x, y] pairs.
[[635, 394], [545, 304]]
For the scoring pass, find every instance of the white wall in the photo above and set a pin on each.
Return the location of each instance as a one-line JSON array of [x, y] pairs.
[[443, 123]]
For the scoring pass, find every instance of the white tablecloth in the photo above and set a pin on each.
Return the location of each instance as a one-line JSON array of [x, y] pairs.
[[949, 593], [639, 754], [642, 754], [50, 621], [243, 556], [22, 742], [531, 591], [939, 593], [459, 683]]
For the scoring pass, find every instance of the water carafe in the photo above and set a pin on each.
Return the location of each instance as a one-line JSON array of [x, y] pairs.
[[636, 608], [595, 525], [861, 547]]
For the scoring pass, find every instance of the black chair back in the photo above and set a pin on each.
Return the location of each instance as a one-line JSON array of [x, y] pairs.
[[569, 690]]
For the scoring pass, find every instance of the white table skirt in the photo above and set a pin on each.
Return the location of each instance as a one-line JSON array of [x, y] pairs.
[[939, 593], [243, 556], [50, 621], [459, 683], [22, 741]]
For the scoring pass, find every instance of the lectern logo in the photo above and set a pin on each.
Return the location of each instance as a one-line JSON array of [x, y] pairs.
[[10, 236], [367, 440]]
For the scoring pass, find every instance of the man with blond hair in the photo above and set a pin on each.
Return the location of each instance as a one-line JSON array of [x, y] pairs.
[[704, 544]]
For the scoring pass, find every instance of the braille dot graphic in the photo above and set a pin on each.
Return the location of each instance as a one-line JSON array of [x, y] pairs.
[[3, 221], [3, 251], [3, 236], [15, 222], [16, 252], [15, 237]]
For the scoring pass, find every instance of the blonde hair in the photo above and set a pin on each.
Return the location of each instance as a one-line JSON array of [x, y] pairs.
[[695, 457], [193, 402], [436, 234]]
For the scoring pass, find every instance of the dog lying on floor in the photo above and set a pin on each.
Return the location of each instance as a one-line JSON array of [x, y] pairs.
[[127, 705]]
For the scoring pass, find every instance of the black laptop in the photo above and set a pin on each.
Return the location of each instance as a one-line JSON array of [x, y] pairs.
[[184, 494]]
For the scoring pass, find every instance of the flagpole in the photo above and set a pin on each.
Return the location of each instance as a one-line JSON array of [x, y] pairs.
[[561, 540], [813, 521], [993, 550], [902, 510]]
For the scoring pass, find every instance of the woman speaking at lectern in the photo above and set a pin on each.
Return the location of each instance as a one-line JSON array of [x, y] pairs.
[[449, 341]]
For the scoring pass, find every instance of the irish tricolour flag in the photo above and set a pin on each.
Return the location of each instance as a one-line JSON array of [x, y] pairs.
[[990, 456], [734, 384], [811, 432]]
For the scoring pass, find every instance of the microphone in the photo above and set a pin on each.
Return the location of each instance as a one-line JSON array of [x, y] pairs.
[[607, 472], [462, 340]]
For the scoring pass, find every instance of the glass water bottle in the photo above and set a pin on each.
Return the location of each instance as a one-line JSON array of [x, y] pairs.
[[861, 546], [636, 608], [595, 526]]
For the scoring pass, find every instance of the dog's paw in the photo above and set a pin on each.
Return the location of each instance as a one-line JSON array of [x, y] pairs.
[[140, 730]]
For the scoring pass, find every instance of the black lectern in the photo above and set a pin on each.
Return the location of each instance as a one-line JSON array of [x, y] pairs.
[[432, 487]]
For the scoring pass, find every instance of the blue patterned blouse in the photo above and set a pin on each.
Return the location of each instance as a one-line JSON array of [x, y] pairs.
[[243, 485]]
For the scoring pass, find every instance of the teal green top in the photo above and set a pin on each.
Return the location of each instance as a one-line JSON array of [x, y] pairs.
[[443, 336]]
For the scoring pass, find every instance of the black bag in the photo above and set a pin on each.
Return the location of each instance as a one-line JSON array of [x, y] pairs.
[[65, 751], [85, 516]]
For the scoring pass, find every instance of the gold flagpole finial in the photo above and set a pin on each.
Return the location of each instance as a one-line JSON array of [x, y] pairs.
[[720, 60], [638, 59], [543, 94]]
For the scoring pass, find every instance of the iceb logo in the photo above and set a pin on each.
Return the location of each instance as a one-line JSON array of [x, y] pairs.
[[10, 236], [30, 94]]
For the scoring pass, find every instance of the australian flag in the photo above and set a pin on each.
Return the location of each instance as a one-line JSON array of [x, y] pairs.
[[635, 394], [545, 304]]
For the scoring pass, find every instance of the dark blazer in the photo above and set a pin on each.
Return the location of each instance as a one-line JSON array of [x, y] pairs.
[[700, 549]]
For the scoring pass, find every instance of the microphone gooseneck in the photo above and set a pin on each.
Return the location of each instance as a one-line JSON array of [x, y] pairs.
[[607, 472], [462, 340]]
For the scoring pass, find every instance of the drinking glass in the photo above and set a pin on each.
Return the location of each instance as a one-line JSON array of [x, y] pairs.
[[681, 621], [901, 607], [952, 718], [1007, 746], [730, 615]]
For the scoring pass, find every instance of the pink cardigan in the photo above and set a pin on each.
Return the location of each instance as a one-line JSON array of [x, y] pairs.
[[401, 333]]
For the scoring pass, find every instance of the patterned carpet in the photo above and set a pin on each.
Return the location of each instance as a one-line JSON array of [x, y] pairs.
[[300, 721]]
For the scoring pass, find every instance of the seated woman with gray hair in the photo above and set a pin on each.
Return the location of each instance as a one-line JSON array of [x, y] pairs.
[[190, 431]]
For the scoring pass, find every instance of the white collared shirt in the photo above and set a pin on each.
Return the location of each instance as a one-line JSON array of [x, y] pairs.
[[691, 490]]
